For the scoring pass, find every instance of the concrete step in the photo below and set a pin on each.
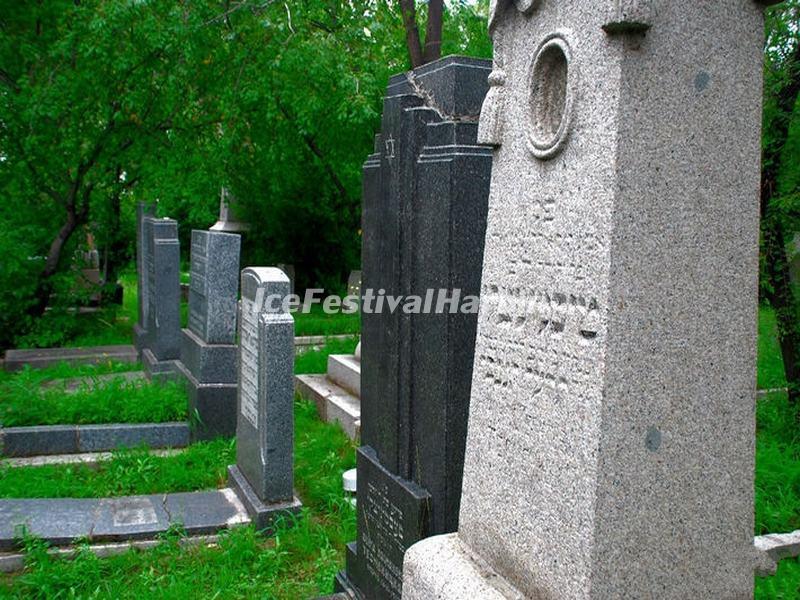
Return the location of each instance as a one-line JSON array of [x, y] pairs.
[[345, 371], [334, 403]]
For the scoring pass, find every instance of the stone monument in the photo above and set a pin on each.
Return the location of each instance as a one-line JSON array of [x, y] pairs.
[[162, 270], [424, 216], [262, 476], [208, 345], [610, 450], [144, 210]]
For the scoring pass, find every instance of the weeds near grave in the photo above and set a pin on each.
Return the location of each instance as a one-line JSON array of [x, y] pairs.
[[299, 561], [23, 401]]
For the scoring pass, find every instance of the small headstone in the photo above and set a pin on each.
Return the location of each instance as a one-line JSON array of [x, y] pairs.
[[354, 285], [229, 220], [162, 269], [426, 192], [208, 345], [143, 211], [611, 427], [263, 475]]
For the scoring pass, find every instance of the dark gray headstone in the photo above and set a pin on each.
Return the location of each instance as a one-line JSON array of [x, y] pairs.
[[214, 285], [425, 200], [143, 211], [290, 273], [208, 348], [162, 267]]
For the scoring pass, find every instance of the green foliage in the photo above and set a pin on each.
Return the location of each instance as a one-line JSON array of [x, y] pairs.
[[784, 585]]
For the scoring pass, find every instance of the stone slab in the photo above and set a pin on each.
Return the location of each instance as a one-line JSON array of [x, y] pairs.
[[97, 438], [262, 515], [315, 342], [773, 548], [393, 514], [334, 404], [37, 358], [73, 439], [62, 521], [345, 371], [159, 370]]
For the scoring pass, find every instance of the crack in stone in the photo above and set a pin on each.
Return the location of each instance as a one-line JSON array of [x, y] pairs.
[[430, 102], [166, 510]]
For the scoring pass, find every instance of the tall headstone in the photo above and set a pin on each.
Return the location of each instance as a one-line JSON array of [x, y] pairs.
[[208, 345], [162, 268], [424, 217], [262, 476], [144, 210], [611, 429], [228, 215]]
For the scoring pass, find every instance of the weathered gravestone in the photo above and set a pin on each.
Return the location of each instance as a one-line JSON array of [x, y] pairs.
[[144, 210], [208, 346], [611, 426], [262, 476], [424, 216], [162, 345]]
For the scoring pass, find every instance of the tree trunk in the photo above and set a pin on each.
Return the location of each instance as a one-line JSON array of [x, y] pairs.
[[413, 44], [433, 31], [44, 286]]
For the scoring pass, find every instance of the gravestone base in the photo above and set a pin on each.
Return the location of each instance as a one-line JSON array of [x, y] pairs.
[[393, 514], [209, 363], [441, 567], [262, 515], [212, 407], [161, 370]]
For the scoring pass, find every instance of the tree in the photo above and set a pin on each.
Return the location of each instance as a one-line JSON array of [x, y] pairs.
[[417, 53]]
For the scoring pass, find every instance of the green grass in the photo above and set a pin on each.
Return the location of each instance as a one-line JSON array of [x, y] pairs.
[[23, 400], [201, 466], [317, 322], [784, 585], [298, 562], [770, 362], [316, 361], [777, 465]]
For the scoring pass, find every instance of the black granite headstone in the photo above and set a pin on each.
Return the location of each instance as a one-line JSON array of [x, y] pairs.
[[425, 196]]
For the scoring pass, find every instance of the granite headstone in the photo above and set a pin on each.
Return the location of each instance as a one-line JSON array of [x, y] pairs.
[[144, 210], [208, 346], [162, 268], [424, 217], [263, 475], [610, 449]]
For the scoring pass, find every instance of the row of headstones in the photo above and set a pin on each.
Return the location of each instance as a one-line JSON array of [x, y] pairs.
[[245, 388], [590, 434]]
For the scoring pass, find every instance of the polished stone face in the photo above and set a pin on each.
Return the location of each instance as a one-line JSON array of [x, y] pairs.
[[425, 199], [611, 428], [162, 270]]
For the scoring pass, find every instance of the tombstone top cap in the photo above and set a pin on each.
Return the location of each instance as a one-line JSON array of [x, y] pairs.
[[258, 283], [215, 232]]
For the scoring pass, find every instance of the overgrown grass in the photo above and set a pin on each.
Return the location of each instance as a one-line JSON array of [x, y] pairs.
[[316, 361], [770, 362], [777, 465], [298, 562], [23, 401], [317, 322], [201, 466], [784, 585]]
